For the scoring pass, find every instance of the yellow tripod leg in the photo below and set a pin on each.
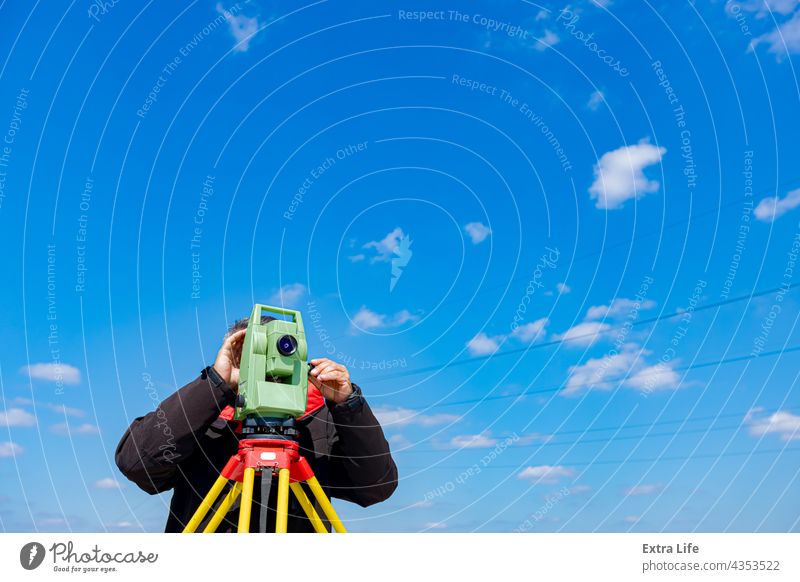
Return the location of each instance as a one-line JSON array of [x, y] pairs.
[[325, 504], [282, 514], [313, 517], [223, 508], [205, 505], [247, 500]]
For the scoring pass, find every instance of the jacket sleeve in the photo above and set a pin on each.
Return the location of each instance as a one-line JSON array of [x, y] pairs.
[[361, 466], [154, 445]]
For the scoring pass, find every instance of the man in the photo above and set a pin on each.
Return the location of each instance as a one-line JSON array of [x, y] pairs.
[[185, 442]]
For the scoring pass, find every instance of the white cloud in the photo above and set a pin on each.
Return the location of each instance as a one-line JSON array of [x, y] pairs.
[[624, 369], [400, 441], [16, 417], [435, 525], [531, 332], [579, 489], [477, 231], [595, 100], [657, 377], [563, 288], [534, 437], [65, 429], [482, 344], [619, 307], [784, 424], [384, 248], [366, 319], [242, 27], [593, 374], [548, 39], [619, 175], [357, 258], [398, 416], [764, 7], [642, 490], [632, 518], [583, 334], [546, 473], [288, 295], [108, 483], [53, 372], [59, 408], [474, 441], [771, 208], [784, 39], [9, 449]]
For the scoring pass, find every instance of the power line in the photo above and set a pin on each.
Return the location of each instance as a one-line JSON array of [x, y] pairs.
[[556, 388], [624, 461], [545, 443], [541, 345]]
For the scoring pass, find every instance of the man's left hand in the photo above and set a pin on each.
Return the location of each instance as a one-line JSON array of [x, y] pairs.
[[332, 379]]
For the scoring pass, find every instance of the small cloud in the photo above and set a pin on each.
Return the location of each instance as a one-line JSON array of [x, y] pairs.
[[546, 473], [632, 518], [384, 248], [783, 41], [108, 483], [473, 441], [583, 334], [53, 372], [771, 208], [398, 416], [81, 429], [642, 490], [435, 525], [357, 258], [17, 417], [477, 231], [619, 308], [9, 449], [365, 319], [579, 489], [563, 288], [242, 28], [400, 441], [482, 344], [59, 408], [535, 437], [784, 424], [626, 368], [288, 295], [531, 332], [424, 504], [548, 39], [619, 175], [657, 377], [595, 100]]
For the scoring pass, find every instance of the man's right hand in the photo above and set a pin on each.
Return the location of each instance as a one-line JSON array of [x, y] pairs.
[[229, 357]]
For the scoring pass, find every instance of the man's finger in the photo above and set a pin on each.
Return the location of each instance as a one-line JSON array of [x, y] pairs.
[[322, 370], [235, 337]]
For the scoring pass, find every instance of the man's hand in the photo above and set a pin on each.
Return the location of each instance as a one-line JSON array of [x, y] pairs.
[[229, 358], [332, 379]]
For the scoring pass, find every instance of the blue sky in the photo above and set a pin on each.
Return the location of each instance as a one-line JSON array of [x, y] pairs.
[[532, 234]]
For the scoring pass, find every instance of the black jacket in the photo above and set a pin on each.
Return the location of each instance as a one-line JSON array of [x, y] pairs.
[[183, 445]]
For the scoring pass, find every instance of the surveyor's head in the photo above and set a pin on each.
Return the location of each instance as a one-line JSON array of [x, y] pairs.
[[242, 323]]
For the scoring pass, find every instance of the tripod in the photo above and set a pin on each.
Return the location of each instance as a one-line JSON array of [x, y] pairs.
[[269, 456]]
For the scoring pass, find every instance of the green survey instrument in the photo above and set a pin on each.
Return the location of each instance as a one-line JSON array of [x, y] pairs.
[[273, 372], [273, 388]]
